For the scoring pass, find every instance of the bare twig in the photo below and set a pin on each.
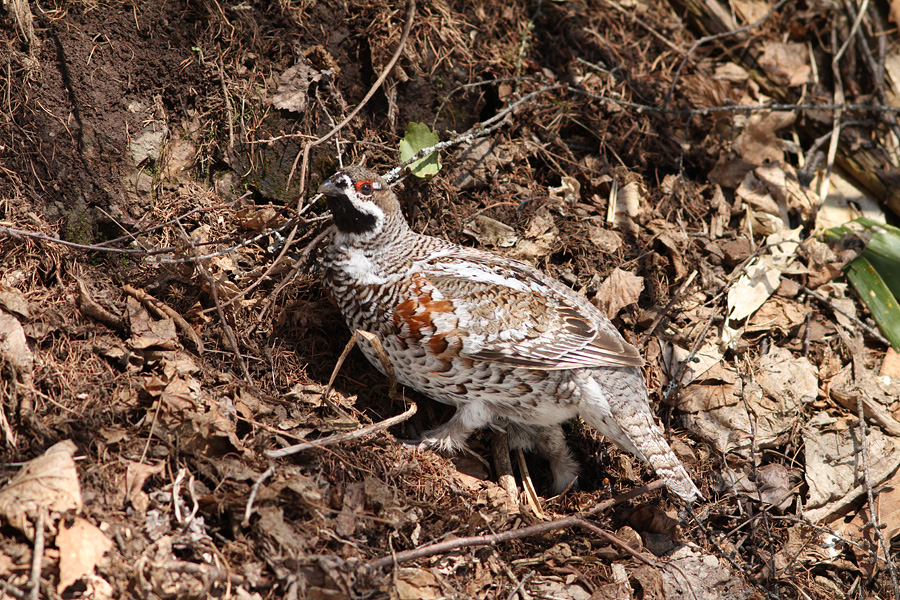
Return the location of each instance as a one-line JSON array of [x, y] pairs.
[[712, 38], [859, 322], [37, 555], [7, 588], [479, 130], [859, 372], [161, 307], [506, 536], [520, 586], [411, 14], [503, 466], [226, 327], [248, 510], [344, 437]]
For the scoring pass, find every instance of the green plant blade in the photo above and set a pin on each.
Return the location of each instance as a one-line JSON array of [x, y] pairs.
[[875, 273], [877, 297], [418, 137]]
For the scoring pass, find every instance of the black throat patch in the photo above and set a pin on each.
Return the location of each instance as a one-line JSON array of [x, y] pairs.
[[347, 218]]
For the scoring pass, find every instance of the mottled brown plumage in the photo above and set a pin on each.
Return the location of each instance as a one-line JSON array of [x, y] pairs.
[[506, 345]]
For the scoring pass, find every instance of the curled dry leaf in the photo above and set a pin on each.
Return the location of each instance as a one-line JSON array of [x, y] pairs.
[[833, 465], [491, 232], [12, 300], [81, 546], [14, 348], [786, 63], [733, 417], [48, 482], [146, 332], [293, 86], [617, 291]]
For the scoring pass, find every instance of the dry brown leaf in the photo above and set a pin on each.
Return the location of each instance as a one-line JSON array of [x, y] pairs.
[[293, 86], [14, 348], [786, 63], [48, 482], [831, 447], [628, 206], [758, 142], [617, 291], [146, 332], [605, 239], [895, 12], [417, 584], [491, 232], [568, 192], [354, 503], [752, 11], [6, 565], [12, 300], [890, 366], [136, 474], [81, 547], [540, 235], [703, 91], [777, 314]]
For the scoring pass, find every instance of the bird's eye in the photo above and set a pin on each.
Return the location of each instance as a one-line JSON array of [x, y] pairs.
[[364, 188]]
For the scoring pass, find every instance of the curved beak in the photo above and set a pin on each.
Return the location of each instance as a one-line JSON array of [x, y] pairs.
[[330, 190]]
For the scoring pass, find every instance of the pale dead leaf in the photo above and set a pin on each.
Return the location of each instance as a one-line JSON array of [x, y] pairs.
[[146, 332], [752, 11], [628, 206], [354, 504], [762, 277], [831, 447], [293, 86], [695, 574], [417, 584], [540, 235], [81, 547], [48, 482], [735, 417], [777, 314], [136, 474], [14, 348], [888, 506], [605, 239], [7, 565], [890, 366], [491, 232], [12, 300], [569, 190], [257, 219], [617, 291], [786, 63], [758, 142], [703, 91]]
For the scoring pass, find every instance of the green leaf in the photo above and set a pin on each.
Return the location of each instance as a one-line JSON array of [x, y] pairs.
[[418, 137], [875, 274], [877, 297]]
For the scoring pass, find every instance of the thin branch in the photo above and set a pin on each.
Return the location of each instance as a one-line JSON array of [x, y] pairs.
[[344, 437], [478, 130], [506, 536], [248, 510], [712, 38], [37, 555]]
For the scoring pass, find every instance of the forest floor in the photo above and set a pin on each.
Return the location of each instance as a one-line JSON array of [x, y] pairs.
[[158, 338]]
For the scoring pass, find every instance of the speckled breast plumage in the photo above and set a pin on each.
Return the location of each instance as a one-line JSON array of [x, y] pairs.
[[506, 345]]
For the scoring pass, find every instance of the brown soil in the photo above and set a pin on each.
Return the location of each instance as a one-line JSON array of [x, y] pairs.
[[160, 421]]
